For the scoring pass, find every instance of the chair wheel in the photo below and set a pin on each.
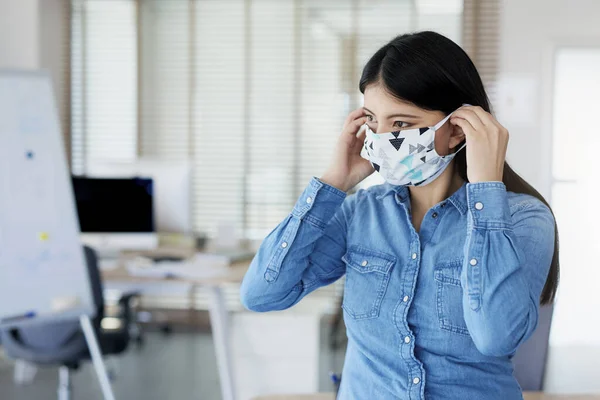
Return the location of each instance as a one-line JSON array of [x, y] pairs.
[[112, 375], [166, 329]]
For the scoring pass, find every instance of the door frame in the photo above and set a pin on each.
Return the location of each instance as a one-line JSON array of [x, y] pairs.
[[547, 102]]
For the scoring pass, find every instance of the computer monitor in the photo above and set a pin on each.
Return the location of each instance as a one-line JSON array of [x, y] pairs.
[[172, 188], [116, 214]]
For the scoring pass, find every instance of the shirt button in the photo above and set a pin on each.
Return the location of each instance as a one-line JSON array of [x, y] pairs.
[[407, 339], [284, 245], [443, 205], [405, 299], [434, 215], [479, 205], [364, 263], [414, 256], [473, 262], [309, 200], [416, 381]]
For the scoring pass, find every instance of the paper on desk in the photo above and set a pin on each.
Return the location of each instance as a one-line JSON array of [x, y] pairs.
[[200, 266], [108, 264]]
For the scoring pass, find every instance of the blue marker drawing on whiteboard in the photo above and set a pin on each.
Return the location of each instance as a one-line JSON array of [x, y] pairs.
[[37, 261], [16, 318]]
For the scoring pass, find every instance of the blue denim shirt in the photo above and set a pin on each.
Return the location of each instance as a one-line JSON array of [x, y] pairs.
[[436, 314]]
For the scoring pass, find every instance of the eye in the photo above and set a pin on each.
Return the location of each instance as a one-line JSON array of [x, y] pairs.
[[401, 124], [370, 118]]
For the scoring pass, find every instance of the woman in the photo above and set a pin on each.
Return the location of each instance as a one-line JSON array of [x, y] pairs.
[[446, 263]]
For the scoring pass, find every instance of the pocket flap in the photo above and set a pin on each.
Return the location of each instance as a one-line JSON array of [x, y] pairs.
[[449, 272], [364, 260]]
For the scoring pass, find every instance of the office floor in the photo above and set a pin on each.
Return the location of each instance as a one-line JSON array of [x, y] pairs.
[[179, 366]]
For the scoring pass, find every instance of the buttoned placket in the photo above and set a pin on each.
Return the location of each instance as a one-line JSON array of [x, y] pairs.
[[409, 280], [428, 227]]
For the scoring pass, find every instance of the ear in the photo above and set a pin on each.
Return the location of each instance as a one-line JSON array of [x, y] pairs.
[[457, 136]]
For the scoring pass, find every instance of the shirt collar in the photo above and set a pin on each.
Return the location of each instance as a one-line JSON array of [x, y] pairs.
[[400, 191], [458, 198]]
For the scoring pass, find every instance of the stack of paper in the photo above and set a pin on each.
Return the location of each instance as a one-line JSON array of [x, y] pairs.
[[198, 267]]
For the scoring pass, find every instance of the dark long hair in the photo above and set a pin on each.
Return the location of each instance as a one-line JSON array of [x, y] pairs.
[[434, 73]]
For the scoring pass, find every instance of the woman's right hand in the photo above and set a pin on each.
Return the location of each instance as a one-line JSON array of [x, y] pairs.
[[348, 168]]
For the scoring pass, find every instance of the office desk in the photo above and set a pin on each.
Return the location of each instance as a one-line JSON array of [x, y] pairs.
[[217, 311], [318, 396], [542, 396], [527, 396]]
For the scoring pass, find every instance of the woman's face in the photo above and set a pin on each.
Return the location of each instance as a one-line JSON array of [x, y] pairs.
[[385, 113]]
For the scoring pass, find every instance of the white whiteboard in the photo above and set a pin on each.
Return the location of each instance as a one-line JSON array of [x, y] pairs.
[[42, 264]]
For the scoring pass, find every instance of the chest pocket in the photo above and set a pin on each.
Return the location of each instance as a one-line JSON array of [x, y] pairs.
[[449, 297], [367, 276]]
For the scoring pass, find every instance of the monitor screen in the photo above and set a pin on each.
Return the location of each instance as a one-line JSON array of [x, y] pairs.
[[114, 205]]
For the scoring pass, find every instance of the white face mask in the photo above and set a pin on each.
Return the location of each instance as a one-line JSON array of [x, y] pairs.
[[406, 157]]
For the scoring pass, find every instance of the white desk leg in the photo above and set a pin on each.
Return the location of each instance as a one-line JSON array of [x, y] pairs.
[[90, 338], [24, 372], [219, 320]]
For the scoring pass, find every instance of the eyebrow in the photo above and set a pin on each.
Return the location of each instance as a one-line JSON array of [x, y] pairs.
[[393, 115]]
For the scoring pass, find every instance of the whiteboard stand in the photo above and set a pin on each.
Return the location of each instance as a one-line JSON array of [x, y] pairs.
[[64, 383], [38, 216], [92, 342]]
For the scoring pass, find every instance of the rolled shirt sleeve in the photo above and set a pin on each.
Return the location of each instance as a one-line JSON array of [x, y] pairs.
[[302, 253], [507, 256]]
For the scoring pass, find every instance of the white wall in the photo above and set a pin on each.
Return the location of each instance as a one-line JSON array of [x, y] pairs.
[[531, 30], [528, 31], [33, 35], [19, 34], [53, 31]]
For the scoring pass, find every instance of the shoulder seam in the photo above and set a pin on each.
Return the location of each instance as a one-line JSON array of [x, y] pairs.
[[359, 196], [527, 204]]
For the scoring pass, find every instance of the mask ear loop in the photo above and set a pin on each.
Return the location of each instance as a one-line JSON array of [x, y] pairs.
[[439, 125], [442, 122]]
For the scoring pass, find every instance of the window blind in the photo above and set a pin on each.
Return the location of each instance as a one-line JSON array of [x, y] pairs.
[[220, 112], [103, 82], [165, 78], [252, 92], [481, 40]]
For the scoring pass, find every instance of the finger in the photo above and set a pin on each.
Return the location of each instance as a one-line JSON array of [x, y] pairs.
[[362, 134], [359, 142], [490, 121], [470, 116], [486, 118], [494, 122], [465, 125], [366, 164], [355, 125], [359, 112]]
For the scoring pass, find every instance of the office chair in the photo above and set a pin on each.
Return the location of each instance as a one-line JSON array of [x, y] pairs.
[[530, 359], [63, 343]]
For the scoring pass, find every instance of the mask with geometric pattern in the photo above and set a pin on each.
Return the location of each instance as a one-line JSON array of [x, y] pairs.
[[406, 157]]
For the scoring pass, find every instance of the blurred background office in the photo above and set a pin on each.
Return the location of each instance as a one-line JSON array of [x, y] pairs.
[[231, 106]]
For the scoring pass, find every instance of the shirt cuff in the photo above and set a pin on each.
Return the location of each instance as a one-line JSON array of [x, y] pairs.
[[318, 203], [488, 205]]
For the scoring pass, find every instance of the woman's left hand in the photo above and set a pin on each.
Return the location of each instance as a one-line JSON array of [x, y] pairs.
[[487, 141]]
